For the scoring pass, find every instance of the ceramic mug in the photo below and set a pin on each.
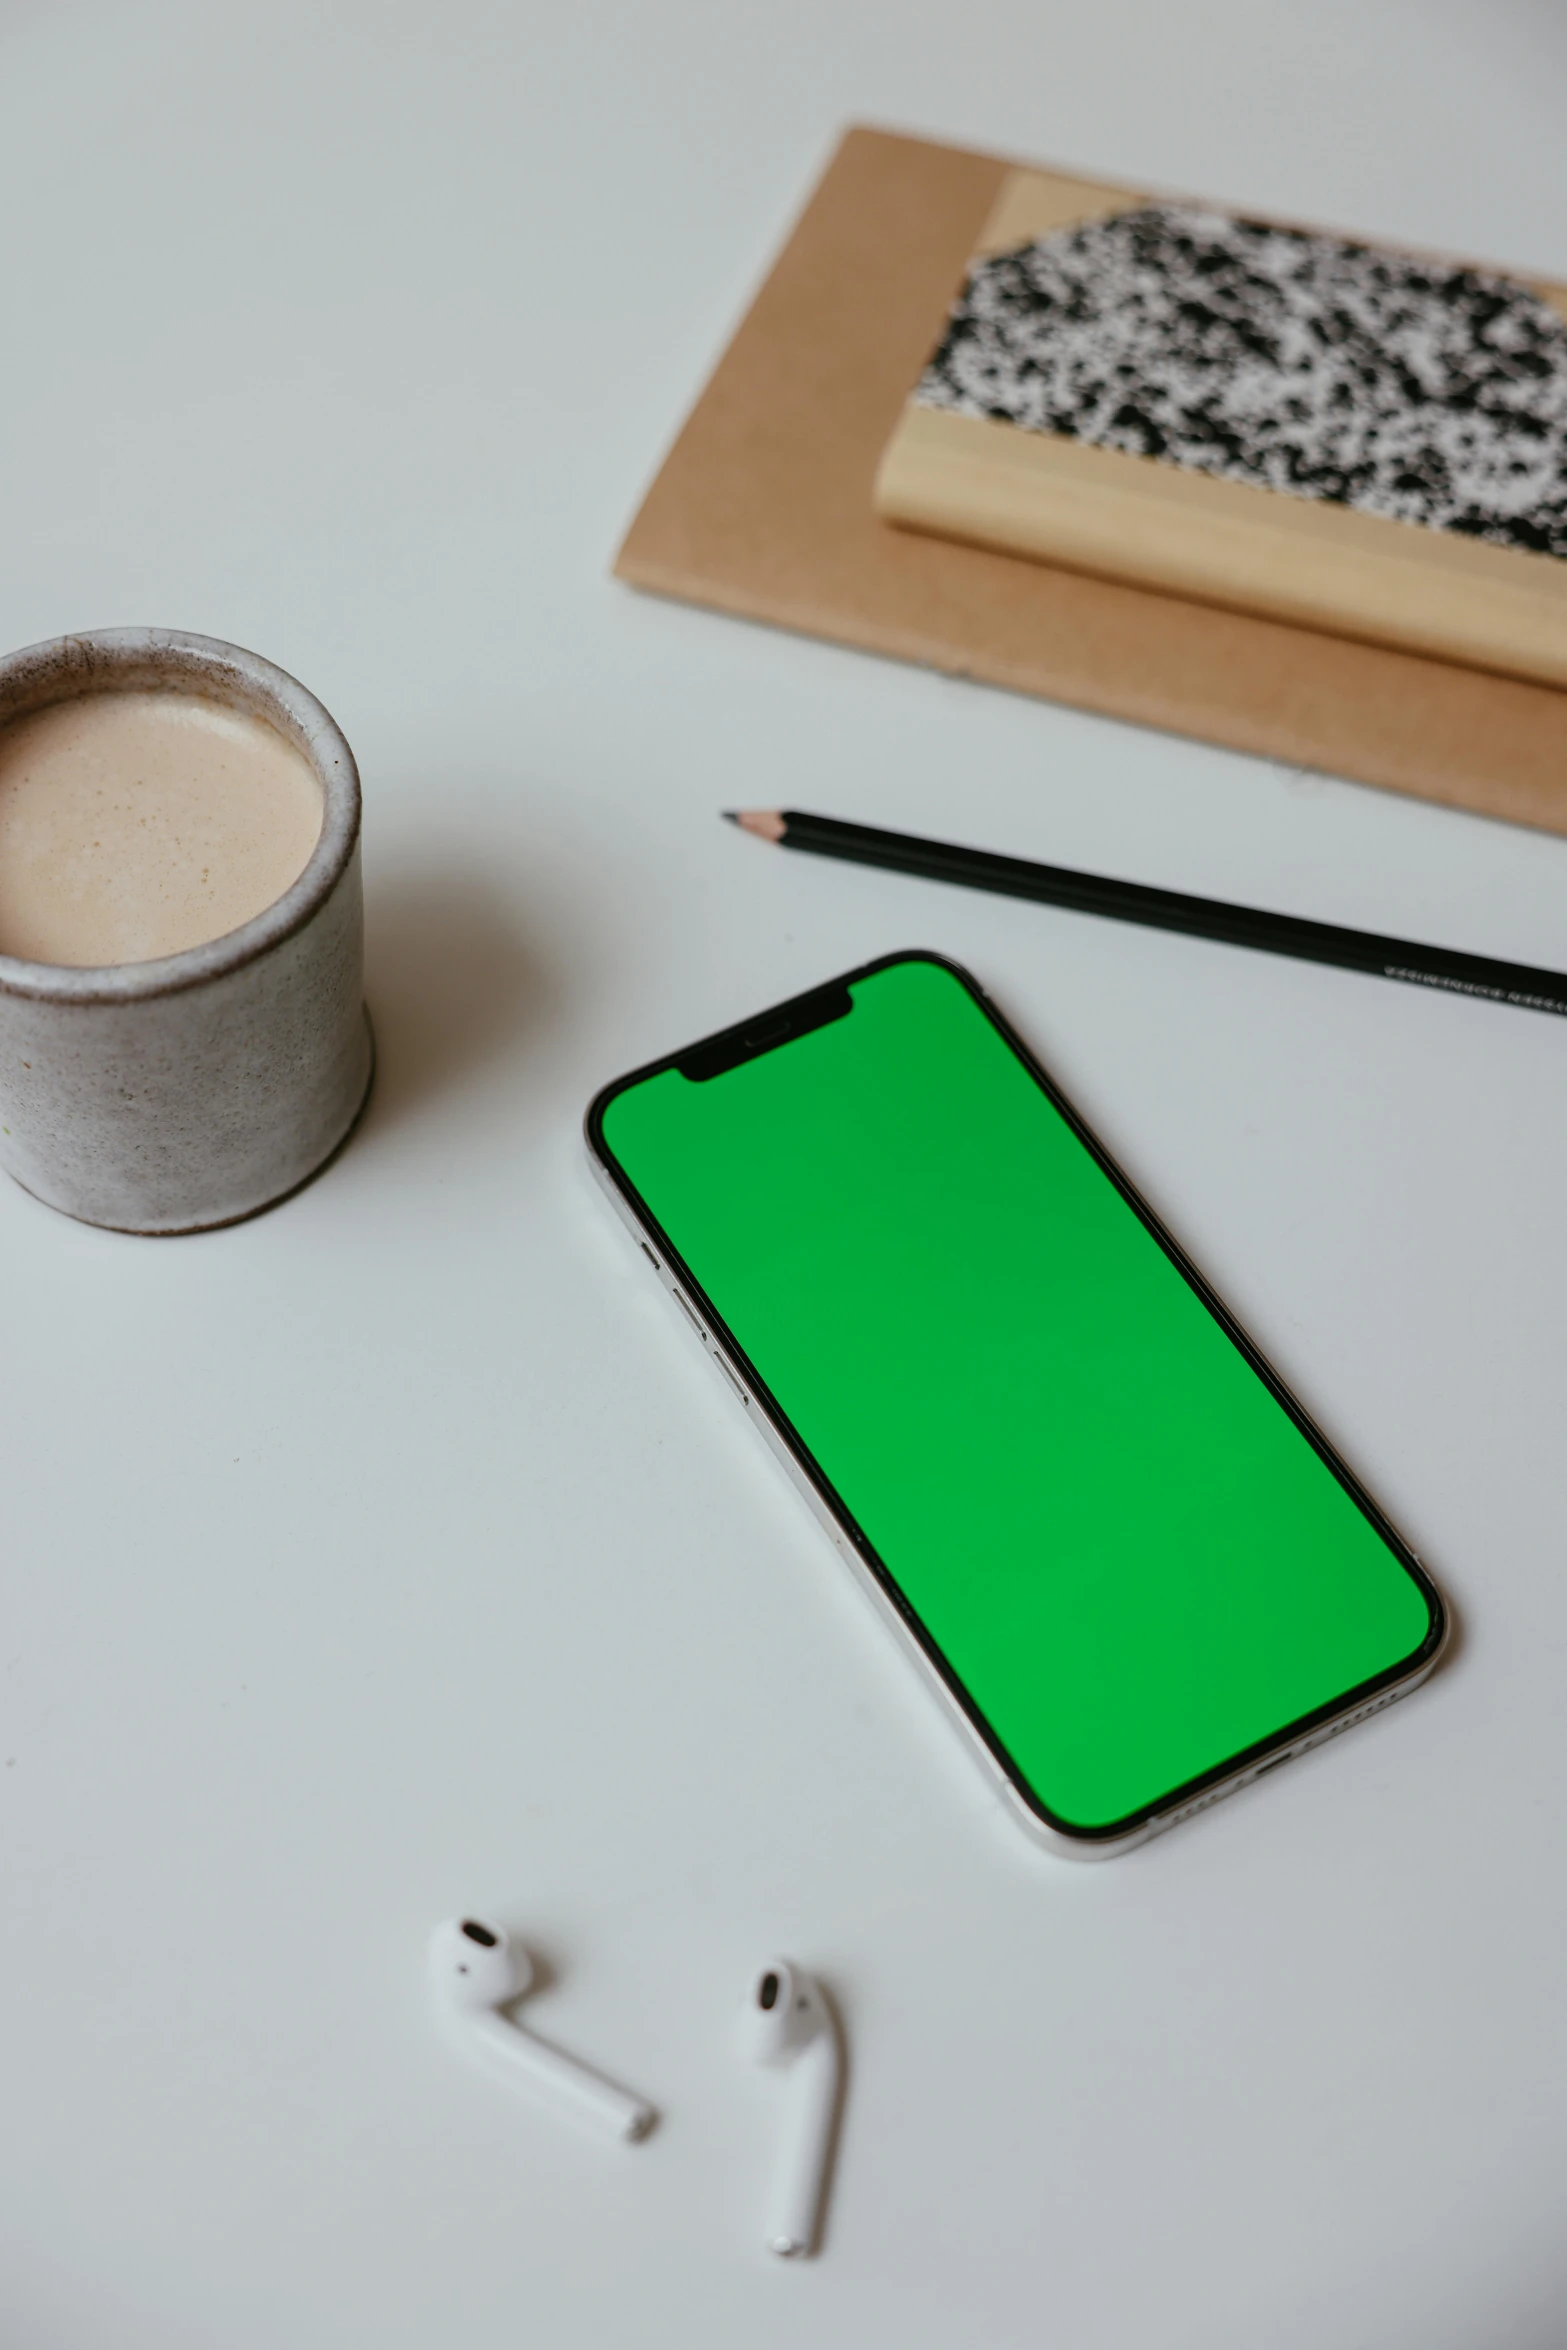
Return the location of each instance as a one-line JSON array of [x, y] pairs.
[[175, 1095]]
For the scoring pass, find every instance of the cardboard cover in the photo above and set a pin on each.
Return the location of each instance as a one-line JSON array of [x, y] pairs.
[[763, 509]]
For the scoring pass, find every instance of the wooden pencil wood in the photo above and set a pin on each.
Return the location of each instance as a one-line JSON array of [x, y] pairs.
[[1164, 909]]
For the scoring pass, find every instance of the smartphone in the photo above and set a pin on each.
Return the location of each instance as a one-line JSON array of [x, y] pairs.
[[1135, 1571]]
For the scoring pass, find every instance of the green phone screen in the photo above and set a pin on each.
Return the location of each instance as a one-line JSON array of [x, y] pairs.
[[1132, 1561]]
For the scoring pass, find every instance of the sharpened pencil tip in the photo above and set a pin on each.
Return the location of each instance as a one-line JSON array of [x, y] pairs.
[[730, 815], [766, 823]]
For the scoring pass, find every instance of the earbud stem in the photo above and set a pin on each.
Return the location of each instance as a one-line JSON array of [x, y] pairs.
[[512, 2049], [810, 2110]]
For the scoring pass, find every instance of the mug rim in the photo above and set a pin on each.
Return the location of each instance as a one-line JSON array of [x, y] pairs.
[[109, 660]]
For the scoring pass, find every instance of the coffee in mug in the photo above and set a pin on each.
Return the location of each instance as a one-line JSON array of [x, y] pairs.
[[137, 824], [182, 1031]]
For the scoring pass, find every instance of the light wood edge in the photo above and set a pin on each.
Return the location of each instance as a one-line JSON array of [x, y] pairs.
[[1219, 542], [1032, 204]]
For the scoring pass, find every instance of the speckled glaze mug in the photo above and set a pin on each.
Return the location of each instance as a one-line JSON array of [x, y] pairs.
[[171, 1096]]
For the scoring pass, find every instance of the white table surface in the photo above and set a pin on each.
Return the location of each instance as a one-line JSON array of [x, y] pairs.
[[396, 1554]]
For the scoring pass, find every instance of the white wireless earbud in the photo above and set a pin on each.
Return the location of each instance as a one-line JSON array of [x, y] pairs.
[[474, 1972], [789, 2024]]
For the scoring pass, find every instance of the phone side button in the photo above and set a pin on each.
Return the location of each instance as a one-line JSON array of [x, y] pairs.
[[690, 1317], [733, 1381]]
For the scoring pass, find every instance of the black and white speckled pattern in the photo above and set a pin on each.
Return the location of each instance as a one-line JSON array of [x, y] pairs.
[[1298, 363]]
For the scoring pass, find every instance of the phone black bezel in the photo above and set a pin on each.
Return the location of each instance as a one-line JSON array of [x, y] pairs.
[[781, 1024]]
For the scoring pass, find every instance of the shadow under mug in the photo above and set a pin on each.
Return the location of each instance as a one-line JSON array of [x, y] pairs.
[[175, 1095]]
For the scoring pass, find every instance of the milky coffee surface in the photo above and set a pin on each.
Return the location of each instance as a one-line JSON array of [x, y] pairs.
[[133, 825]]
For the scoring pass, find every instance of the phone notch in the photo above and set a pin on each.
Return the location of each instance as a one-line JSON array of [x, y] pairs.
[[765, 1031]]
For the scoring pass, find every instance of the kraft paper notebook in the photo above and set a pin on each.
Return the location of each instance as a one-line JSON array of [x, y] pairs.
[[765, 508]]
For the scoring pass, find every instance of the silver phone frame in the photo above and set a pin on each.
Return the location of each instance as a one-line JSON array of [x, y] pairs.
[[780, 1442]]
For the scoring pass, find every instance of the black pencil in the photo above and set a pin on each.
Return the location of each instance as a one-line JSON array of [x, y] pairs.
[[1163, 909]]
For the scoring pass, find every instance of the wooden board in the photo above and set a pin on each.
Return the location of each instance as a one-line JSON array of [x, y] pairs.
[[1310, 560], [763, 508]]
